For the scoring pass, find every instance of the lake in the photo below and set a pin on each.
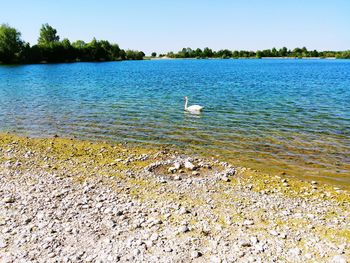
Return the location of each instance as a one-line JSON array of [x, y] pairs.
[[275, 115]]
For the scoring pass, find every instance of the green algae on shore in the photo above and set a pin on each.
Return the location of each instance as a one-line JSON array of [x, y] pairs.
[[86, 157]]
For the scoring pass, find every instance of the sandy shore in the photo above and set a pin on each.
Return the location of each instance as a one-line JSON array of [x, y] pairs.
[[64, 200]]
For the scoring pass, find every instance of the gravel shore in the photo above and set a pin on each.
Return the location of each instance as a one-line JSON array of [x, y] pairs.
[[64, 200]]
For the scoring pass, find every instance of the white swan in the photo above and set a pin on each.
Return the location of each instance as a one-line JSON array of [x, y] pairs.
[[193, 108]]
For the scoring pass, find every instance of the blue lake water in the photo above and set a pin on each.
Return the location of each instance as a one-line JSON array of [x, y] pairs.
[[276, 115]]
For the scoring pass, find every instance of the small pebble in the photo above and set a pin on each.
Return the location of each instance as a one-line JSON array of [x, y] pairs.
[[9, 200], [248, 222], [339, 259], [183, 229], [136, 252], [274, 232], [154, 237], [177, 166], [189, 165], [283, 236], [225, 179], [195, 254], [215, 259], [168, 249], [2, 244]]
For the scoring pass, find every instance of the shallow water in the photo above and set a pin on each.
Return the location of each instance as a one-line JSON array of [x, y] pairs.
[[275, 115]]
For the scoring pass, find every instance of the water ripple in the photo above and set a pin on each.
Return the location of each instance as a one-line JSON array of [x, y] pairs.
[[288, 115]]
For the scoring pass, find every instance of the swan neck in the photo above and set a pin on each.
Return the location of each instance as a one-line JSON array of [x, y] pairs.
[[186, 100]]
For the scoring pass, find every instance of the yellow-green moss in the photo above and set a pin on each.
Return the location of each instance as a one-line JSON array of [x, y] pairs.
[[85, 158]]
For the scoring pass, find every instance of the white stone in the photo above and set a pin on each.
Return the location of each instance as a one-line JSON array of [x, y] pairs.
[[136, 252], [254, 240], [215, 259], [189, 165], [248, 222], [195, 254], [338, 259], [294, 251], [274, 232], [225, 179], [154, 237], [168, 249], [183, 229], [2, 244]]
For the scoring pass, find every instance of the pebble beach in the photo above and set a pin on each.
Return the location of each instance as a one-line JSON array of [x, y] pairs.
[[66, 200]]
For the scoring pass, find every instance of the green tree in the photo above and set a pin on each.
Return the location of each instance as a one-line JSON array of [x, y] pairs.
[[134, 55], [35, 54], [243, 54], [169, 54], [48, 35], [305, 52], [69, 53], [207, 52], [314, 53], [25, 54], [297, 52], [235, 54], [116, 52], [122, 54], [66, 43], [224, 53], [259, 54], [274, 52], [283, 52], [198, 53], [154, 54], [79, 44], [10, 44], [80, 50], [345, 54], [267, 53]]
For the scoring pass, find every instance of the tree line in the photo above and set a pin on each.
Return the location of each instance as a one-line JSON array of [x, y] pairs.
[[49, 48], [282, 52]]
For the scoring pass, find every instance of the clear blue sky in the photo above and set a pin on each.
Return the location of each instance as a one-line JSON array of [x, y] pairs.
[[166, 25]]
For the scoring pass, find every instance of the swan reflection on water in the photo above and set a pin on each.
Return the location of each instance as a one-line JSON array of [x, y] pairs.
[[193, 114]]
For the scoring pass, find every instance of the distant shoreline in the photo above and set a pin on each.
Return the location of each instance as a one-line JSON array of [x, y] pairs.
[[169, 58]]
